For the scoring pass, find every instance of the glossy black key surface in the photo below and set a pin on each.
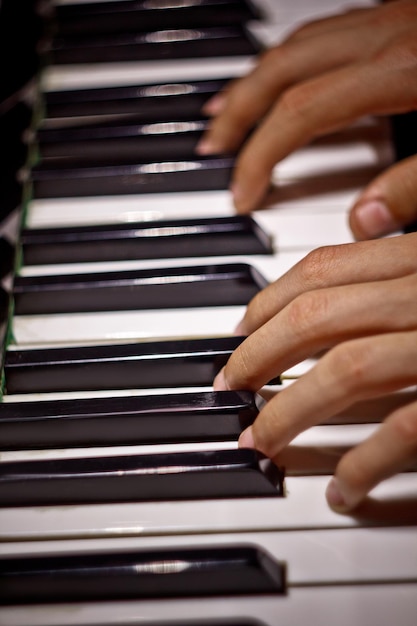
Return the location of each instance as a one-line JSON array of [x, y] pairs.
[[161, 288], [124, 141], [4, 305], [130, 420], [7, 254], [148, 102], [145, 240], [165, 572], [202, 174], [178, 363], [128, 15], [182, 43], [234, 473]]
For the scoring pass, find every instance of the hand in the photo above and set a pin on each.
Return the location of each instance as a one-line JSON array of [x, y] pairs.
[[356, 305], [325, 76]]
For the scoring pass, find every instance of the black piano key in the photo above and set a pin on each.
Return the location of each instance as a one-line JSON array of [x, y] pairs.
[[4, 305], [23, 31], [130, 420], [145, 240], [148, 102], [7, 254], [404, 135], [202, 174], [182, 43], [178, 363], [124, 141], [128, 15], [138, 478], [177, 287], [141, 574]]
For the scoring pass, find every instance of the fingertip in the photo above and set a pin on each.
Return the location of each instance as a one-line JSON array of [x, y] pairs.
[[371, 219], [240, 330], [246, 438], [335, 497], [215, 105], [205, 147], [240, 199], [219, 383]]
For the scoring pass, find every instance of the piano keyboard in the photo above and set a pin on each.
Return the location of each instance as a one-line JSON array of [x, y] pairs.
[[135, 465]]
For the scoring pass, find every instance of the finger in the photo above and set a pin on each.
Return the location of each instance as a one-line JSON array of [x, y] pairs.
[[383, 84], [391, 449], [351, 372], [316, 321], [246, 101], [352, 18], [389, 17], [333, 266], [388, 204], [317, 28]]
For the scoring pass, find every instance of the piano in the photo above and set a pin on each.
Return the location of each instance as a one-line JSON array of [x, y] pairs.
[[123, 496]]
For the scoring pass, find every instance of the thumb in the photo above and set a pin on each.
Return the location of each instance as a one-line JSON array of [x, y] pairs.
[[388, 204]]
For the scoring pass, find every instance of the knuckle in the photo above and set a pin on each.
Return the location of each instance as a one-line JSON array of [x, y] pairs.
[[318, 265], [348, 365], [307, 312], [404, 425], [295, 102]]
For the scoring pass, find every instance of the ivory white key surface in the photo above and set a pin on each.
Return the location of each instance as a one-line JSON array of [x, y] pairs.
[[344, 570], [313, 556], [304, 505]]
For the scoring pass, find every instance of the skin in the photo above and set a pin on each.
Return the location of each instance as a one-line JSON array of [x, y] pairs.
[[334, 303], [325, 76], [351, 307]]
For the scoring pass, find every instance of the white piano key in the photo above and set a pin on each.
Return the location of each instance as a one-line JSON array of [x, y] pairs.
[[194, 322], [312, 557], [304, 504], [331, 438], [126, 325], [299, 198], [89, 76]]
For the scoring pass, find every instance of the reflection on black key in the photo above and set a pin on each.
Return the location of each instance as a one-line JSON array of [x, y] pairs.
[[145, 240], [134, 478], [165, 572], [203, 174], [178, 363], [148, 102], [127, 15], [124, 141], [86, 422], [177, 287], [181, 43]]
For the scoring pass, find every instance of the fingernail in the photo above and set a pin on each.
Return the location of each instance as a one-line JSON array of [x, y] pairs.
[[374, 218], [219, 383], [334, 496], [246, 438]]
